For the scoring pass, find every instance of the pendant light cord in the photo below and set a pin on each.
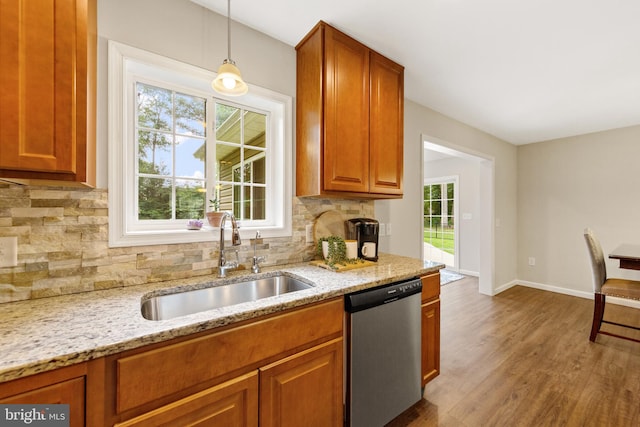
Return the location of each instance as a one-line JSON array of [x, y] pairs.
[[229, 31]]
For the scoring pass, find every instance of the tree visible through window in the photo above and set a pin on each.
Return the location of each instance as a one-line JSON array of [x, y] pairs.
[[439, 221], [170, 133]]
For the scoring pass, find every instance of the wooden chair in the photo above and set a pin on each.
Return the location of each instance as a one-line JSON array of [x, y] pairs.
[[603, 287]]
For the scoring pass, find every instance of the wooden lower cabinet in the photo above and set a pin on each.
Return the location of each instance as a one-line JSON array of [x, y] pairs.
[[304, 389], [430, 341], [62, 386], [430, 327], [276, 370], [233, 403]]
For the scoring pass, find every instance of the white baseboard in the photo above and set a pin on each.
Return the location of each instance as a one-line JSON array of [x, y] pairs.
[[504, 287], [469, 273], [566, 291]]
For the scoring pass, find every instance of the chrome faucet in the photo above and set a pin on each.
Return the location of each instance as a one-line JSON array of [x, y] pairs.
[[256, 260], [223, 264]]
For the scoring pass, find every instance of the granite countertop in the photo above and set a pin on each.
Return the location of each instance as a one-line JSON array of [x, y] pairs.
[[44, 334]]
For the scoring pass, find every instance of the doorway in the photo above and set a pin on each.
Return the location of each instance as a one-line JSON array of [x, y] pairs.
[[474, 238]]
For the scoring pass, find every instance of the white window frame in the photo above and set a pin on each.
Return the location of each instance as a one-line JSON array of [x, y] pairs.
[[126, 65]]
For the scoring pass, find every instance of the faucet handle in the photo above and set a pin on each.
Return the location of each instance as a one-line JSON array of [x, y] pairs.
[[258, 240]]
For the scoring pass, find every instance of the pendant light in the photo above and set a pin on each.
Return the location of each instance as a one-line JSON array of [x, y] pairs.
[[229, 81]]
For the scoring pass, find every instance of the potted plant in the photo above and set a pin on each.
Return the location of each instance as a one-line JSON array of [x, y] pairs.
[[333, 249], [214, 216]]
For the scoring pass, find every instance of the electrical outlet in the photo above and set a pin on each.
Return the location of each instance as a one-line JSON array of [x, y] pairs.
[[8, 251], [309, 233], [389, 229], [382, 230], [532, 261]]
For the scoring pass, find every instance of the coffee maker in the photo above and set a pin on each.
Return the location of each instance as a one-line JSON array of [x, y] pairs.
[[365, 232]]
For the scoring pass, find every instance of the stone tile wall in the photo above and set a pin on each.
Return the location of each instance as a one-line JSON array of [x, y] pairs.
[[63, 244]]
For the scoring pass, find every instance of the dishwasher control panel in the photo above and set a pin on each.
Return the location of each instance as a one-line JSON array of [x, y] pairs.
[[385, 294]]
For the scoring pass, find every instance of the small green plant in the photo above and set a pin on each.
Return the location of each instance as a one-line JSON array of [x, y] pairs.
[[215, 204], [336, 251]]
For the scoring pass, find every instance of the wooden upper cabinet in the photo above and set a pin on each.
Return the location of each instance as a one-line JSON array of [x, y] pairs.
[[47, 81], [349, 119], [387, 126], [346, 114]]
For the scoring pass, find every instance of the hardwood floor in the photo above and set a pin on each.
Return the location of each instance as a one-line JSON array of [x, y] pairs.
[[523, 358]]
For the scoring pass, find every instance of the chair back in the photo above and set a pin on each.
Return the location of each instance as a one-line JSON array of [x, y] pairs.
[[598, 266]]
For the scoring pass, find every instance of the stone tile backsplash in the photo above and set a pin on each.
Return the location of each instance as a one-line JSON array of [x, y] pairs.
[[63, 243]]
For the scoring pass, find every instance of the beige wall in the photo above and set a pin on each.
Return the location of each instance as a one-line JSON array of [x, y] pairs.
[[566, 185]]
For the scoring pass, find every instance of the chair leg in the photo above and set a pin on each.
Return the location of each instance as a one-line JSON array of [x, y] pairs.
[[598, 312]]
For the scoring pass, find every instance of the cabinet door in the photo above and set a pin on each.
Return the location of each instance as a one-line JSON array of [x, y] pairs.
[[44, 69], [233, 403], [346, 114], [386, 139], [430, 341], [304, 389], [70, 392]]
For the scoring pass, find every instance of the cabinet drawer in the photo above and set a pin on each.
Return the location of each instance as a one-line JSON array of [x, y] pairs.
[[145, 377], [430, 286], [232, 403]]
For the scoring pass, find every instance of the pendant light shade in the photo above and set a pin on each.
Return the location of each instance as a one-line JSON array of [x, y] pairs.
[[229, 81]]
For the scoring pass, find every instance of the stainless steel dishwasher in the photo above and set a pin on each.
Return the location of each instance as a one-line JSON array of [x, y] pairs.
[[383, 352]]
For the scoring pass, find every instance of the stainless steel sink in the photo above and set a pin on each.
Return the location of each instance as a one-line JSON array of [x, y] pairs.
[[180, 304]]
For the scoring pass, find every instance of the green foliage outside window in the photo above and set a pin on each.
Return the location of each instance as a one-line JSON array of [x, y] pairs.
[[438, 214]]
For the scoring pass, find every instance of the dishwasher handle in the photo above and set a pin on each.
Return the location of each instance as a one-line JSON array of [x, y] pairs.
[[386, 294]]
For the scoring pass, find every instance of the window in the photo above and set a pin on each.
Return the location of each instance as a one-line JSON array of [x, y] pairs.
[[439, 225], [173, 147]]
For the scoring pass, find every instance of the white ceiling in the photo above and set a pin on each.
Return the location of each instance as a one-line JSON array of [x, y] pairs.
[[524, 71]]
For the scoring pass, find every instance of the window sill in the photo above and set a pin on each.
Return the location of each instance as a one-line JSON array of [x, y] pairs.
[[205, 234]]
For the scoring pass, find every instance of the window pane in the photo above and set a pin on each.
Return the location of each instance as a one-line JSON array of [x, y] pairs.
[[237, 197], [246, 211], [190, 199], [259, 171], [154, 198], [450, 191], [154, 153], [255, 125], [154, 107], [259, 203], [435, 192], [450, 207], [190, 156], [190, 111], [436, 208], [227, 123], [226, 197], [227, 158]]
